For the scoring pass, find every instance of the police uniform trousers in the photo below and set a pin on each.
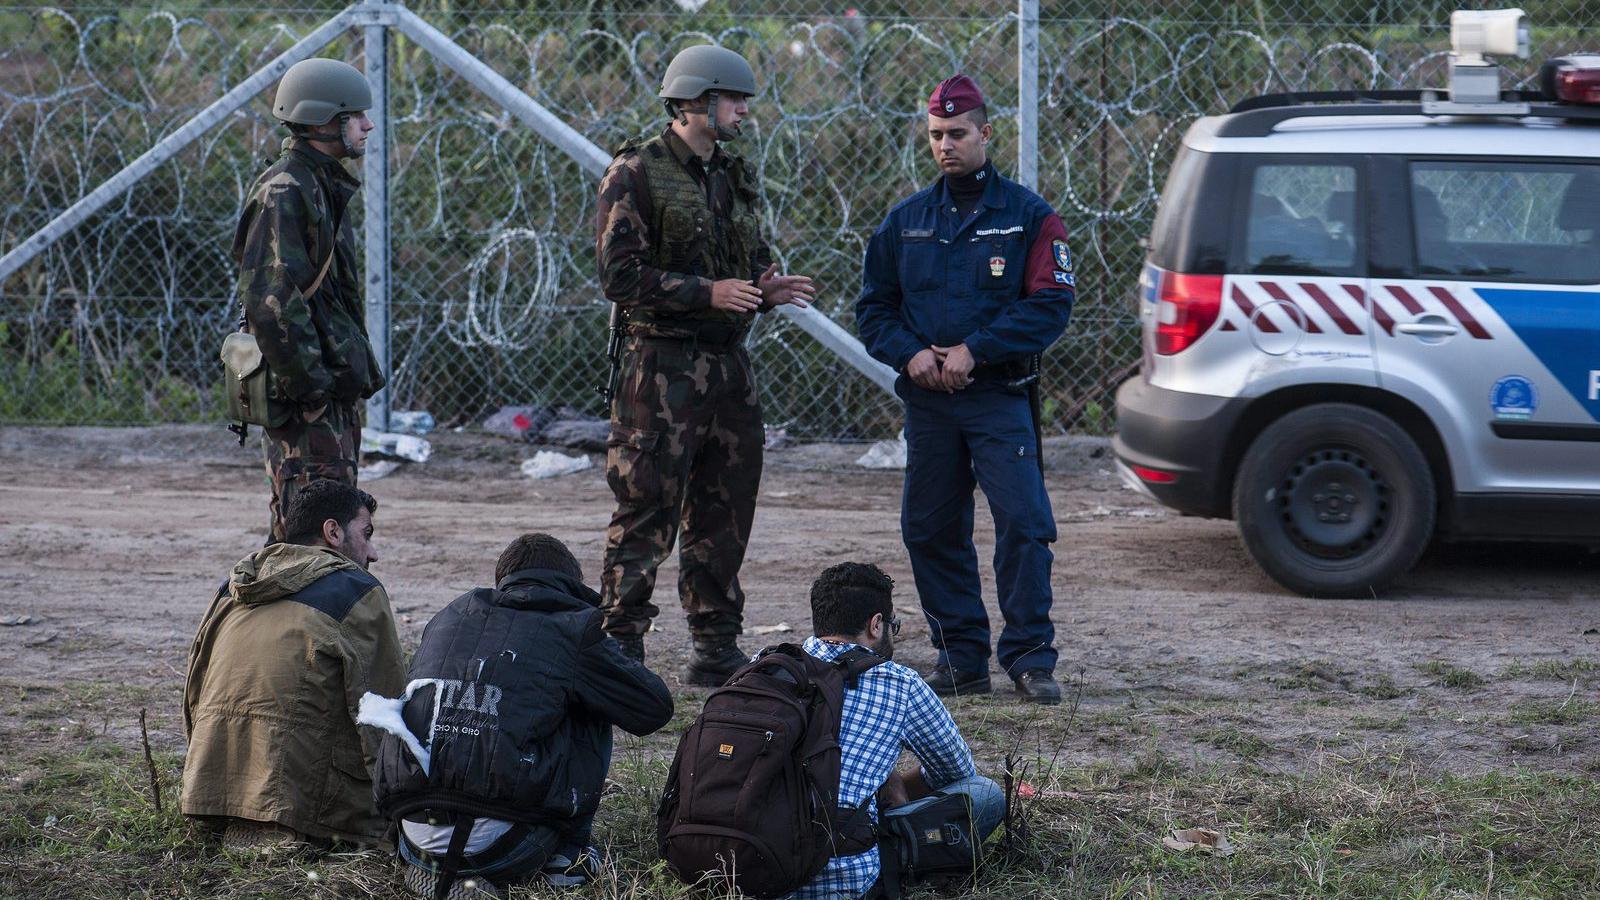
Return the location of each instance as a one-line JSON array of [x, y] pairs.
[[684, 456], [302, 452], [983, 435]]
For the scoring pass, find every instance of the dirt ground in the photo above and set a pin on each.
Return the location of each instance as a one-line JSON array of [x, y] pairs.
[[1484, 658]]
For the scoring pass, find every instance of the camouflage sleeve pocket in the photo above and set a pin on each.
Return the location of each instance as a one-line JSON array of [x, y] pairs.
[[633, 466]]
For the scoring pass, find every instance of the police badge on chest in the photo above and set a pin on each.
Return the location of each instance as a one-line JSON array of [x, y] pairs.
[[997, 266]]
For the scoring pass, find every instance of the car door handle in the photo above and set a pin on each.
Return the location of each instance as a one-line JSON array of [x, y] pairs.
[[1429, 329]]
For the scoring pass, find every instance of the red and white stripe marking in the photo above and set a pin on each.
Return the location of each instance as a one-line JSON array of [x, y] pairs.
[[1341, 308]]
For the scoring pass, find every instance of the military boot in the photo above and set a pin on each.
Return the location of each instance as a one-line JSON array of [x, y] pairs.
[[715, 658]]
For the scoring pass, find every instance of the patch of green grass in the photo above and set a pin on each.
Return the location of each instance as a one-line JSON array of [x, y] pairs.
[[1247, 745], [1552, 712], [1379, 723], [1369, 826], [1383, 688], [1551, 669], [1450, 675]]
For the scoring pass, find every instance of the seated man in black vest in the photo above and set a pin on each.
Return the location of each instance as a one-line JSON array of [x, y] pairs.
[[496, 754]]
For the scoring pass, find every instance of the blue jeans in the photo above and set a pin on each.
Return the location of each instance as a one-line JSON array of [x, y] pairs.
[[988, 803]]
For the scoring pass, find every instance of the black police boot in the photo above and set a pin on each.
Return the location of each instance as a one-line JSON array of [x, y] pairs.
[[632, 645], [950, 682], [1038, 686], [715, 658]]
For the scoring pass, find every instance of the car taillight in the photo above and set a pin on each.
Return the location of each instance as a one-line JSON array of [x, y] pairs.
[[1186, 308]]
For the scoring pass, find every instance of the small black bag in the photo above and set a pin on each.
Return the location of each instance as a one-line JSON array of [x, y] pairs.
[[939, 839]]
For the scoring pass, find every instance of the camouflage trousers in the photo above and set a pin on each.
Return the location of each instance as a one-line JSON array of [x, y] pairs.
[[302, 452], [684, 454]]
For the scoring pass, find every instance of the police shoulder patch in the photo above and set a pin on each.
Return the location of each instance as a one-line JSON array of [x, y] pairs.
[[1062, 255]]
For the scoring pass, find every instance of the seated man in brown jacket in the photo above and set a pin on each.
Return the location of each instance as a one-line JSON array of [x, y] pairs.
[[276, 674]]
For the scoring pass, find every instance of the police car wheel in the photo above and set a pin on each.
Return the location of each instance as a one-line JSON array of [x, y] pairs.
[[1334, 500]]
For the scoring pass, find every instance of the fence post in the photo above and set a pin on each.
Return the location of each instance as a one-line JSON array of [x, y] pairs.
[[1028, 94], [375, 184]]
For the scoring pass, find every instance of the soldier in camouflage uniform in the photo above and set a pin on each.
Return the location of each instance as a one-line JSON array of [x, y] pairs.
[[681, 252], [315, 346]]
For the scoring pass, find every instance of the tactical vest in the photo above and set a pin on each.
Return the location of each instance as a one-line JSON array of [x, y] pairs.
[[686, 236]]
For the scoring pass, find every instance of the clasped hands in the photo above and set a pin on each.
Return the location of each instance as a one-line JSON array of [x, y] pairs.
[[947, 369], [737, 295]]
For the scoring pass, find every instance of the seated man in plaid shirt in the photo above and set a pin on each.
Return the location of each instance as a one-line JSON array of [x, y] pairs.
[[890, 709]]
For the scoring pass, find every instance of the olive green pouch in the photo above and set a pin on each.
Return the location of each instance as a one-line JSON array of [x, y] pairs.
[[248, 383]]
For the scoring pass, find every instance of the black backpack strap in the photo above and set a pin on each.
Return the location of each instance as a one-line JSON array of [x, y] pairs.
[[889, 866], [854, 662], [854, 832], [446, 876]]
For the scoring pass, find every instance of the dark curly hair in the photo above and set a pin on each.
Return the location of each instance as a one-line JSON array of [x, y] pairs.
[[845, 597]]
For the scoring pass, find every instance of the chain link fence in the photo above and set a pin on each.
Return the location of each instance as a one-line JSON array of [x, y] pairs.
[[494, 295]]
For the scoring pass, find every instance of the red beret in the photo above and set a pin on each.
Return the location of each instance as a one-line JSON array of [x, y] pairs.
[[954, 96]]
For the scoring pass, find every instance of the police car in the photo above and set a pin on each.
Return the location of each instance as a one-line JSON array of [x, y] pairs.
[[1373, 318]]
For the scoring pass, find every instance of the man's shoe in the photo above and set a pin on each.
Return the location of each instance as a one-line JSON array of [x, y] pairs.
[[259, 837], [714, 660], [421, 882], [632, 646], [947, 681], [1039, 686], [572, 868]]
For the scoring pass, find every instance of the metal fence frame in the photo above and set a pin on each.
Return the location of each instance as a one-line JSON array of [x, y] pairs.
[[375, 19]]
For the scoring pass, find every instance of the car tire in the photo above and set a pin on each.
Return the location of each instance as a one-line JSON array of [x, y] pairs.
[[1335, 500]]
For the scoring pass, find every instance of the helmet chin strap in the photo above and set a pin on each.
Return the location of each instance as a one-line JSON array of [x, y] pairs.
[[342, 136], [722, 133]]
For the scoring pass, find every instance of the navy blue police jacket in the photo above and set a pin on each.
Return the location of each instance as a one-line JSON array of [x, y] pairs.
[[1000, 281]]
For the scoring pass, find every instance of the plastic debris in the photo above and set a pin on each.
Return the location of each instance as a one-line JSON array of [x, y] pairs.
[[1204, 840], [777, 439], [411, 422], [575, 431], [17, 620], [773, 629], [885, 454], [549, 464], [400, 446], [517, 421], [377, 469]]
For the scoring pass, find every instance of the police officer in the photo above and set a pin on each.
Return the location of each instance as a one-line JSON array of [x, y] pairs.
[[965, 282], [680, 250], [298, 283]]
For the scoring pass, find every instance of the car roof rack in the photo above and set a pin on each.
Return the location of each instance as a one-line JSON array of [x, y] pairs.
[[1259, 116]]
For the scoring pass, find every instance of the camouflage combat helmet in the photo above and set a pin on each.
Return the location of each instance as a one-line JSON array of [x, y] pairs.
[[315, 91], [709, 70]]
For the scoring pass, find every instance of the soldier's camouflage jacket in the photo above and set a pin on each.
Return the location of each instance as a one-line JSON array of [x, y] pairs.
[[670, 225], [316, 347]]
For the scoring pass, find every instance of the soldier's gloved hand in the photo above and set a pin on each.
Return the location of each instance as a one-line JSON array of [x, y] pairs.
[[955, 366], [923, 370], [735, 295], [776, 290]]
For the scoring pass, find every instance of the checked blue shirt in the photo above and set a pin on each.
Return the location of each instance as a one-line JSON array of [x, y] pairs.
[[891, 708]]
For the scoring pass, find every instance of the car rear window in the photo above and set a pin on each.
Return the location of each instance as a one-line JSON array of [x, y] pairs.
[[1302, 219], [1498, 221]]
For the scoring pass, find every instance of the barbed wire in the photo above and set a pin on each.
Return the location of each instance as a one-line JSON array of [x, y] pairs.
[[495, 300]]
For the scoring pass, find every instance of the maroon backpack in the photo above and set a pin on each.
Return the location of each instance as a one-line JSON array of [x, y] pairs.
[[753, 794]]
